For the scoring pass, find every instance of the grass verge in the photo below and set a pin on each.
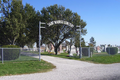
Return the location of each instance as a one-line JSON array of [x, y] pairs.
[[102, 58], [24, 66]]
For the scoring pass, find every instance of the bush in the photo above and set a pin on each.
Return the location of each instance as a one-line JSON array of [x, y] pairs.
[[9, 53], [113, 50], [85, 51]]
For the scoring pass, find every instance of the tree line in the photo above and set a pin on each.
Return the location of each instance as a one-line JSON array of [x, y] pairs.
[[19, 24]]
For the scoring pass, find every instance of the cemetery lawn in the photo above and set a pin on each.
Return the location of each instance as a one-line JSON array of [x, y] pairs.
[[106, 59], [102, 58], [24, 65]]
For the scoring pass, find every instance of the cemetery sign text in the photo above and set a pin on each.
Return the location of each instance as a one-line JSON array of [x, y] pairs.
[[60, 22]]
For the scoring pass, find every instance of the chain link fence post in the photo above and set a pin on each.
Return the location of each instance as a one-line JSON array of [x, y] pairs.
[[20, 53], [2, 56], [88, 51], [91, 53], [81, 52], [109, 50]]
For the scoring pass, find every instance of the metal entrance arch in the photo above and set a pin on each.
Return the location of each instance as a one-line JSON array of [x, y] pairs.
[[58, 22]]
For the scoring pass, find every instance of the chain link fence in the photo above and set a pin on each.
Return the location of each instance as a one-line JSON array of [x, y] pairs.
[[108, 51], [18, 54], [86, 52], [90, 51]]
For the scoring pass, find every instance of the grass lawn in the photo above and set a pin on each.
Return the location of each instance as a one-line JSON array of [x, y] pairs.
[[35, 52], [100, 54], [24, 65], [103, 58], [62, 55]]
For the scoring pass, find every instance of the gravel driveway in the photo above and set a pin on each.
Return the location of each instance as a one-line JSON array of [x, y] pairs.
[[72, 70]]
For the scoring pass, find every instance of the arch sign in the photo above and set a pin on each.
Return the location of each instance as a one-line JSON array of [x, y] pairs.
[[53, 23], [60, 22]]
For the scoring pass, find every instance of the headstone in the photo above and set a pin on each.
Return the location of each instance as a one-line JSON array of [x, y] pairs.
[[103, 47], [78, 52], [71, 54], [67, 48], [73, 50], [61, 51], [47, 49], [52, 48], [98, 49]]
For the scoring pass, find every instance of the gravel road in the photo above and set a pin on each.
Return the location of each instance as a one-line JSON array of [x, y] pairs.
[[72, 70]]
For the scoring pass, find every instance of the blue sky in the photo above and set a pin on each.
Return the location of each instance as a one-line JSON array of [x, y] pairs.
[[102, 17]]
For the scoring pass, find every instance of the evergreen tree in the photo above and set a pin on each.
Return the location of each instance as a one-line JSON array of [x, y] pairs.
[[92, 42]]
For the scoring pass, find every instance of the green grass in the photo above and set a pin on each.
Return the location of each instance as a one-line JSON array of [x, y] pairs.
[[35, 52], [24, 65], [101, 54], [103, 57], [63, 55], [25, 58]]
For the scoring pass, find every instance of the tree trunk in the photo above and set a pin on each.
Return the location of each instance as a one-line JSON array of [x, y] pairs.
[[70, 50], [12, 43], [45, 47], [56, 46], [56, 50]]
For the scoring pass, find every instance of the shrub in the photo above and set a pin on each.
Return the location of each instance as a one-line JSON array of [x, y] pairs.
[[113, 50], [85, 51], [9, 53]]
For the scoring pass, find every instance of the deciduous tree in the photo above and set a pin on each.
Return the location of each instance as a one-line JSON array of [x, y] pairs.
[[12, 21], [56, 34]]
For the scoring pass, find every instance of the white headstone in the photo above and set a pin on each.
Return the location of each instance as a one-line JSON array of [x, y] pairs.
[[73, 50], [99, 51], [61, 51]]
